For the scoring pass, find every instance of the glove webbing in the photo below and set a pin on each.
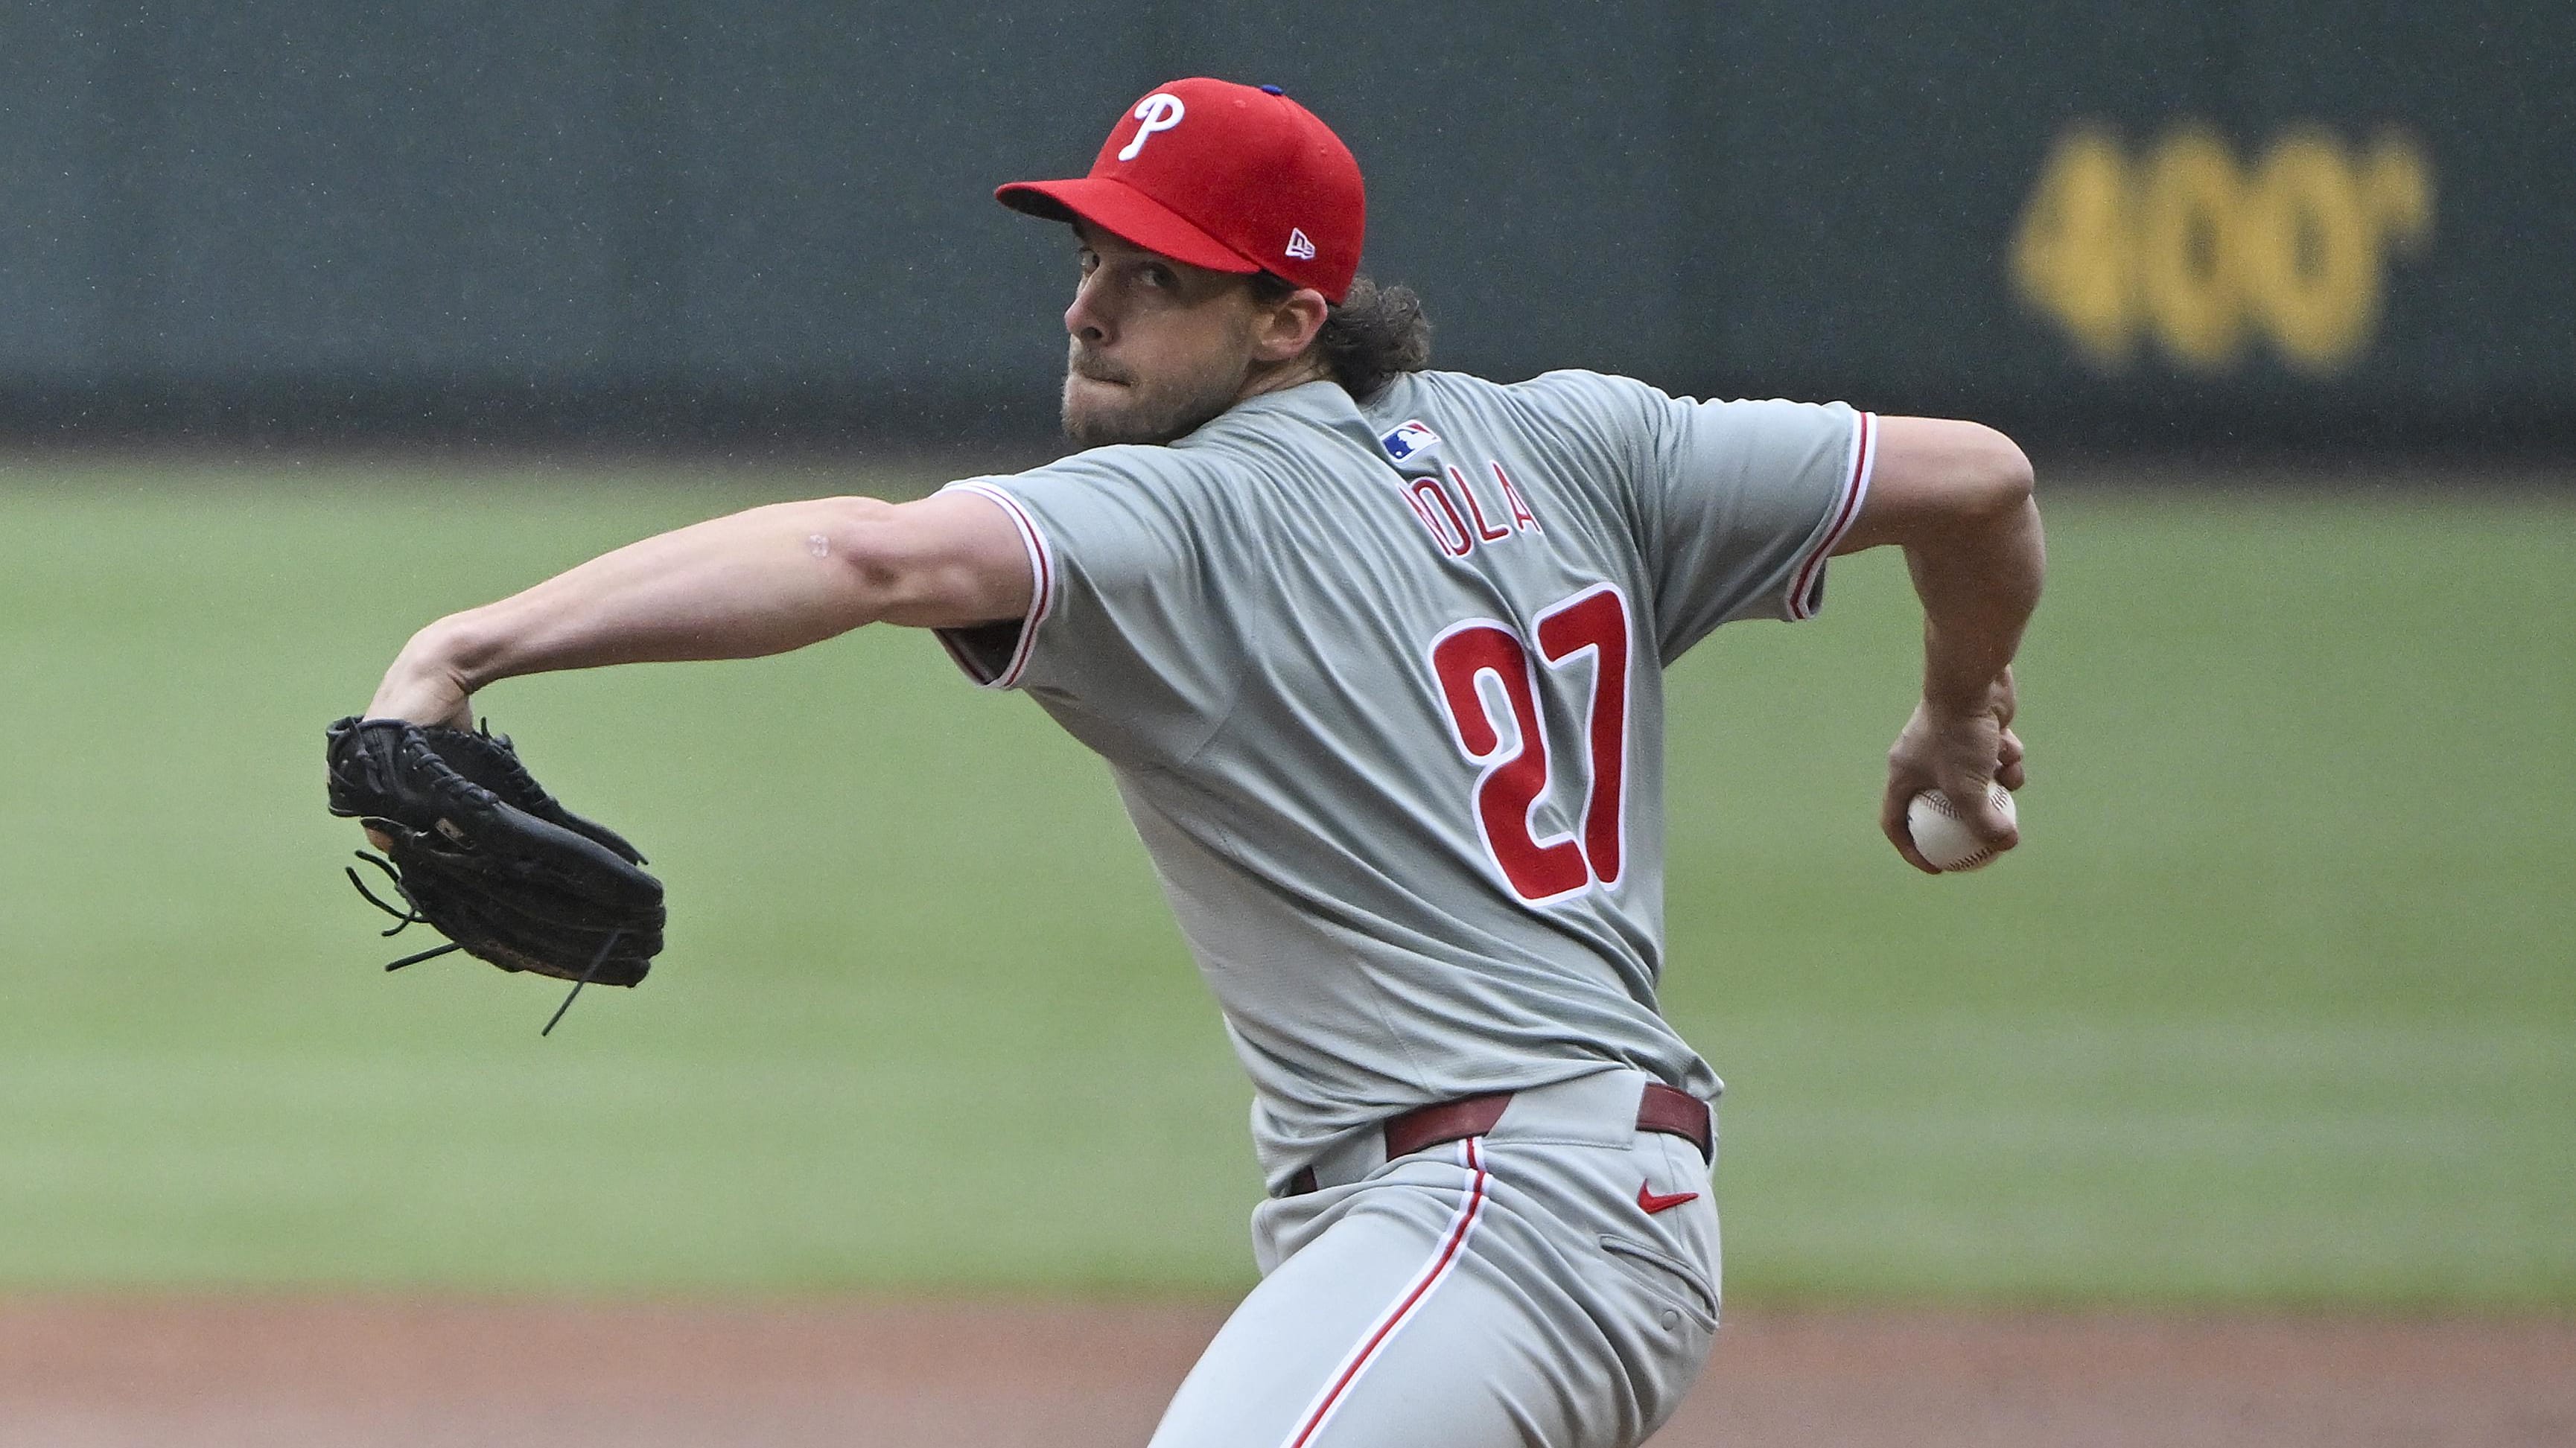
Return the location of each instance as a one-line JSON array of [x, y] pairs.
[[405, 919]]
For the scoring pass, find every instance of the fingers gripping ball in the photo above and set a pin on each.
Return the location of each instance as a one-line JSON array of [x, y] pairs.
[[480, 852], [1944, 838]]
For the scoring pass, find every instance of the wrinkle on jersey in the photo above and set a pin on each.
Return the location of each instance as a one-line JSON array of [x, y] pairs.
[[1243, 628]]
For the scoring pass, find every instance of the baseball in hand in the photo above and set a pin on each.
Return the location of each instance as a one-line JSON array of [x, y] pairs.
[[1944, 838]]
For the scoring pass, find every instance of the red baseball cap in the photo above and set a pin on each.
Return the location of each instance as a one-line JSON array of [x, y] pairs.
[[1234, 178]]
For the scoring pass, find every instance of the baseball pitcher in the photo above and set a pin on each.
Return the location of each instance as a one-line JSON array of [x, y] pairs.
[[1375, 655]]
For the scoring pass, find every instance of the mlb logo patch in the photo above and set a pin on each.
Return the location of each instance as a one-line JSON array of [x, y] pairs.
[[1407, 440]]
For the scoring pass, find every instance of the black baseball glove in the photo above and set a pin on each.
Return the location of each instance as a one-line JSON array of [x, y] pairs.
[[481, 853]]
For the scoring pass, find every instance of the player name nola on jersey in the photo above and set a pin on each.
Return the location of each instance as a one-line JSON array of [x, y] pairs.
[[1443, 498]]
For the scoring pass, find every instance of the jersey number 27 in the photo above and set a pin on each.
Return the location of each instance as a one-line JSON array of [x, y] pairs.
[[1588, 626]]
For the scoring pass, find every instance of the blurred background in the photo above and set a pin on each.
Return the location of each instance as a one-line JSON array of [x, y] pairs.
[[318, 321], [646, 221]]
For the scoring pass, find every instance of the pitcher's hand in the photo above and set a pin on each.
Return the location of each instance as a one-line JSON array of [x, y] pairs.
[[423, 687], [1956, 750]]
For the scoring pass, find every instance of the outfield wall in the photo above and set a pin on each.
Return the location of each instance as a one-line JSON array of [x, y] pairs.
[[653, 220]]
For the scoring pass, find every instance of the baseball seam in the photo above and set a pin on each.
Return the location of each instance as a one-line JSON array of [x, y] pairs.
[[1939, 804]]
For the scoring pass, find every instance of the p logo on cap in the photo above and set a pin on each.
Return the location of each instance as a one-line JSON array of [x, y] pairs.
[[1159, 112], [1253, 183]]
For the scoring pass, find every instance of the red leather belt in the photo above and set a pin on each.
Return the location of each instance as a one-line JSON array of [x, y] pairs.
[[1663, 1109]]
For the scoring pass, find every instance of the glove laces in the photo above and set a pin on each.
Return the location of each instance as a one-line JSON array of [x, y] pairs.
[[404, 919]]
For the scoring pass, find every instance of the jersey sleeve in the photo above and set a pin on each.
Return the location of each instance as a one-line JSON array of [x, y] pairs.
[[1116, 640], [1738, 505]]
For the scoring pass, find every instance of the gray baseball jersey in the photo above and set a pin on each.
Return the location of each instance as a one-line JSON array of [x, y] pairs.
[[1381, 689]]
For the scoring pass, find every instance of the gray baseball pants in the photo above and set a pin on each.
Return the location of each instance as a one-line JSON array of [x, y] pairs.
[[1510, 1289]]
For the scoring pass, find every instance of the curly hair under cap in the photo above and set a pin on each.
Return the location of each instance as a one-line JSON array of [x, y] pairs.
[[1377, 333]]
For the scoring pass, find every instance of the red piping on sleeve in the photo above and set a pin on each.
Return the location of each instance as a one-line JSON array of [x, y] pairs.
[[1041, 592], [1805, 589]]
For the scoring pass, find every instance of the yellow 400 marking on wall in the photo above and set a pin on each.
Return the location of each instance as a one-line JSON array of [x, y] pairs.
[[2189, 245]]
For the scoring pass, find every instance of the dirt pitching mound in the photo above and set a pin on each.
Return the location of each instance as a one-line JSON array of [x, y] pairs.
[[339, 1371]]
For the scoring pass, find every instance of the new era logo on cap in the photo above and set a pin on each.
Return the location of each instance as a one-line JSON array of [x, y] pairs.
[[1216, 175]]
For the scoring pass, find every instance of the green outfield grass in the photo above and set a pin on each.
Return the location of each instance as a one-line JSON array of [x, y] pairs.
[[2277, 1005]]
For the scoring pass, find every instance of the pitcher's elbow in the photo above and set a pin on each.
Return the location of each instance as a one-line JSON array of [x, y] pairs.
[[2002, 480]]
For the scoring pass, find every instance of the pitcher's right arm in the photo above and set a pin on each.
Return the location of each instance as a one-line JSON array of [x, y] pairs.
[[1957, 497]]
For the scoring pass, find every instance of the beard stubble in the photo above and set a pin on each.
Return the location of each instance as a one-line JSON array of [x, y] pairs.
[[1143, 411]]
